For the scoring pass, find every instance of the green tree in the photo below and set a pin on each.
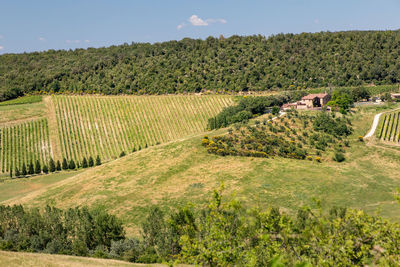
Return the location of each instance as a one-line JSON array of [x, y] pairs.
[[24, 171], [91, 162], [38, 168], [275, 110], [45, 169], [65, 165], [72, 165], [17, 173], [31, 169], [98, 161], [58, 166], [341, 100], [84, 163], [122, 154], [52, 165]]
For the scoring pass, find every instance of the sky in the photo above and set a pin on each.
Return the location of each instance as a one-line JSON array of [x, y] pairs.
[[37, 25]]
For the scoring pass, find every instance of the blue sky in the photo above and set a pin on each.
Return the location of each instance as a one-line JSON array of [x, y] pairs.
[[37, 25]]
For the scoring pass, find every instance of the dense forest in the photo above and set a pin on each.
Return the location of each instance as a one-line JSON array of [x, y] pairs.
[[288, 61]]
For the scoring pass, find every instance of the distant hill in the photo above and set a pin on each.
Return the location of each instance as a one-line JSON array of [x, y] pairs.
[[237, 63]]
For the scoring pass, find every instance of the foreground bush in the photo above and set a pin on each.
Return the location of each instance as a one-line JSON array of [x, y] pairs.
[[75, 231], [220, 233], [227, 234]]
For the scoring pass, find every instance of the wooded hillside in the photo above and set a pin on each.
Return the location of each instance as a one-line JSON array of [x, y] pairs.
[[237, 63]]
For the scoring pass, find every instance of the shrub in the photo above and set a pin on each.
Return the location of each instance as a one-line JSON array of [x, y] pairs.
[[361, 138], [339, 157], [318, 159], [205, 141], [122, 154], [309, 158]]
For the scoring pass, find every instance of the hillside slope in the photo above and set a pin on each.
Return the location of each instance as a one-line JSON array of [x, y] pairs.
[[231, 64], [182, 171]]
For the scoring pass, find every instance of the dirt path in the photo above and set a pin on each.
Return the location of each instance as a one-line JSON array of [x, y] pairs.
[[53, 129]]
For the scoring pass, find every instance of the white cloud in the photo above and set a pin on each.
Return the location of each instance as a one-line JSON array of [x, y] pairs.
[[1, 47], [73, 41], [42, 39], [197, 21]]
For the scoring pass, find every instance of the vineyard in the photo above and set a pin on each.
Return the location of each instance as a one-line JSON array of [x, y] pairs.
[[24, 143], [389, 128], [106, 126]]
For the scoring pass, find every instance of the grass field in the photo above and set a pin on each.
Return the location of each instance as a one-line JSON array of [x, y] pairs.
[[182, 171], [24, 143], [106, 126], [16, 114], [12, 259]]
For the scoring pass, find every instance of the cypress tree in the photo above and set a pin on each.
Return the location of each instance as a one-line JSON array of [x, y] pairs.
[[84, 163], [91, 162], [98, 162], [11, 173], [58, 167], [30, 168], [17, 173], [38, 169], [65, 164], [72, 164], [52, 166], [134, 149], [122, 154], [45, 169], [139, 148], [24, 171]]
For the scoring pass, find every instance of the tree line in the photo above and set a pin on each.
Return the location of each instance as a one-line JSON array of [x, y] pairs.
[[220, 233], [249, 107], [54, 166], [234, 64]]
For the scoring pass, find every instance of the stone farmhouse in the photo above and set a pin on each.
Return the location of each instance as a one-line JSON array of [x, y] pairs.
[[311, 101]]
